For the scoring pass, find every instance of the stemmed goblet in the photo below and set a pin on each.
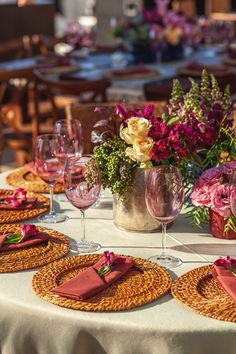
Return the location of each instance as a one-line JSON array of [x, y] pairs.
[[70, 131], [71, 140], [82, 188], [164, 195], [50, 168]]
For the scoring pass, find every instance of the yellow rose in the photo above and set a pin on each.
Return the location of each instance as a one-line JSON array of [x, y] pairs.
[[141, 150], [136, 127], [174, 35]]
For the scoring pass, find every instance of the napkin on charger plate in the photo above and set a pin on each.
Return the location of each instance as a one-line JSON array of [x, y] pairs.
[[29, 236], [95, 278], [17, 201], [225, 273]]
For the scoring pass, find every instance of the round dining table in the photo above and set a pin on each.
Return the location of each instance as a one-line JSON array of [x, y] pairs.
[[31, 325]]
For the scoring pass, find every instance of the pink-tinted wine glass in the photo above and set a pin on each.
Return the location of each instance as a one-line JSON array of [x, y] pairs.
[[164, 197], [70, 131], [50, 169], [82, 188], [71, 141]]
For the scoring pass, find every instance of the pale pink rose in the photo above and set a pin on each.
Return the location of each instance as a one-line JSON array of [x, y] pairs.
[[228, 167], [201, 195], [220, 199], [211, 176]]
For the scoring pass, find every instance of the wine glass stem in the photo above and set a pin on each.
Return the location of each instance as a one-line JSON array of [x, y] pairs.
[[163, 239], [82, 226], [52, 211]]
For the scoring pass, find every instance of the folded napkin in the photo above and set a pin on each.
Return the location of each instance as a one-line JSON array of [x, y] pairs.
[[227, 280], [18, 200], [89, 282], [29, 236]]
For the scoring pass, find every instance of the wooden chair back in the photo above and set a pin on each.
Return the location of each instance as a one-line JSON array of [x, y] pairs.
[[84, 90]]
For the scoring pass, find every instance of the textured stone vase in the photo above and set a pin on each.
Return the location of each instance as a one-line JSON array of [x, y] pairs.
[[132, 213], [217, 224]]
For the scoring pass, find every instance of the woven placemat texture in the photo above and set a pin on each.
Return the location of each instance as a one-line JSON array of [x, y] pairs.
[[22, 177], [200, 292], [144, 283], [40, 206], [56, 247]]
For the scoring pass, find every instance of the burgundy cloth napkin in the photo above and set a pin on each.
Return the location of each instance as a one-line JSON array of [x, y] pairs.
[[25, 205], [89, 283], [227, 280], [30, 241]]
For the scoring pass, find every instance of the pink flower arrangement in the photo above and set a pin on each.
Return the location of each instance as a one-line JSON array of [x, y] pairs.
[[213, 190], [194, 131], [157, 25]]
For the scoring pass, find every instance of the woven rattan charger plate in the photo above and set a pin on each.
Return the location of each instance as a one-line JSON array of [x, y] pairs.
[[40, 206], [22, 177], [139, 286], [56, 247], [200, 292]]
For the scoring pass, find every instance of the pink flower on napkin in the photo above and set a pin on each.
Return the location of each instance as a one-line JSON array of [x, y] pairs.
[[28, 230], [20, 192]]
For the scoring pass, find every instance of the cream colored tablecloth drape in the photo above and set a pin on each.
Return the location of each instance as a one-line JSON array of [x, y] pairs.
[[29, 325]]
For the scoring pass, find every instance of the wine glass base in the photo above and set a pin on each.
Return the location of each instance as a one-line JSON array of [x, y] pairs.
[[88, 246], [166, 261], [52, 218]]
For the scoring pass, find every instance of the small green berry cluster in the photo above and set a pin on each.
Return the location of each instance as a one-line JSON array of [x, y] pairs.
[[115, 167]]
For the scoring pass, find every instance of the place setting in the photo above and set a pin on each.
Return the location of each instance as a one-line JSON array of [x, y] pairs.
[[26, 246], [18, 204]]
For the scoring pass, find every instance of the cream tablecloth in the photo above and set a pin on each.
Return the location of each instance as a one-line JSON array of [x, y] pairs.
[[29, 325]]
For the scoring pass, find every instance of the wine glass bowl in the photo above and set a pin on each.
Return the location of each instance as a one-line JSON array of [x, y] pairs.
[[50, 169], [70, 132], [164, 195], [82, 188]]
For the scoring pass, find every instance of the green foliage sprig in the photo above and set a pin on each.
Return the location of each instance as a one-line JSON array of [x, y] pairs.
[[115, 167]]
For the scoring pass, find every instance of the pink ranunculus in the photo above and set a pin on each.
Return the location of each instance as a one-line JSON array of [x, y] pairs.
[[201, 195], [211, 176], [220, 199], [228, 167], [28, 230]]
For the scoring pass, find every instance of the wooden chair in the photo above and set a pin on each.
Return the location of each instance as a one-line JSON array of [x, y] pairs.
[[18, 135], [62, 93], [86, 115]]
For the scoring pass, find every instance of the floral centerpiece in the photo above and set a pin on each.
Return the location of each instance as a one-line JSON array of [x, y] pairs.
[[159, 28], [193, 134], [211, 200]]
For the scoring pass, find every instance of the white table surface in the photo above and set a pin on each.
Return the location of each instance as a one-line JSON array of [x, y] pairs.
[[30, 325]]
